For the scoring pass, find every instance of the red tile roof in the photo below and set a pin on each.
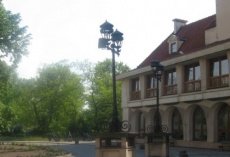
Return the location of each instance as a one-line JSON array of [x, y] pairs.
[[194, 39]]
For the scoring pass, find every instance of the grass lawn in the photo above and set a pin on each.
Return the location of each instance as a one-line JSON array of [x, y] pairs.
[[23, 150]]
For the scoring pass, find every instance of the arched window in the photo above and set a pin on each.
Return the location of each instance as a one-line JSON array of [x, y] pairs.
[[177, 125], [199, 125], [224, 123], [141, 125]]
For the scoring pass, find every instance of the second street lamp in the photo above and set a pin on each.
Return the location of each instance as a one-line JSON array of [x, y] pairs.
[[157, 69], [112, 40]]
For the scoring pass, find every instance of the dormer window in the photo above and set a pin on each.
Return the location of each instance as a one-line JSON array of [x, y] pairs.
[[174, 40], [175, 43], [173, 47]]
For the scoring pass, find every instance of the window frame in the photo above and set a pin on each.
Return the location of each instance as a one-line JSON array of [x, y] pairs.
[[150, 90], [192, 84], [173, 47], [224, 131], [179, 132], [202, 122], [219, 61], [135, 88], [170, 83], [218, 79]]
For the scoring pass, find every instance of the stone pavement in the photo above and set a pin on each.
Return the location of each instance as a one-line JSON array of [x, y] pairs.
[[87, 149]]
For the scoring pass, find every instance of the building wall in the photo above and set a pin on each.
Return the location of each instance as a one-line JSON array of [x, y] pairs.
[[210, 100], [221, 31], [223, 23]]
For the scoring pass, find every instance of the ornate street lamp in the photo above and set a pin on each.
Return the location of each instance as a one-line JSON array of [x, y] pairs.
[[157, 136], [157, 69], [112, 40]]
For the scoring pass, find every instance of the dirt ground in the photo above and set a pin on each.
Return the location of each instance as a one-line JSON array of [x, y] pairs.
[[22, 150]]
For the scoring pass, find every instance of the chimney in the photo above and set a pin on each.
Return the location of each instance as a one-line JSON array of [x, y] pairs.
[[178, 23]]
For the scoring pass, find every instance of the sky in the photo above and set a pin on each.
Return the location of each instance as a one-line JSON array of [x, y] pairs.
[[70, 29]]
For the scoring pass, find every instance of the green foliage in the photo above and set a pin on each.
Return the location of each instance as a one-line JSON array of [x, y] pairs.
[[5, 74], [100, 98], [7, 117], [7, 98], [63, 97], [76, 97], [14, 39], [56, 98]]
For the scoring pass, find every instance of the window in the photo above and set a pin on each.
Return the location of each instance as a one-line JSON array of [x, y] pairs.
[[150, 86], [135, 94], [177, 125], [192, 78], [199, 125], [170, 82], [219, 66], [173, 47], [224, 123], [219, 73], [171, 77]]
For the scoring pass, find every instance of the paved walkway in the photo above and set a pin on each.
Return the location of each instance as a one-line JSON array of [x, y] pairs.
[[87, 149]]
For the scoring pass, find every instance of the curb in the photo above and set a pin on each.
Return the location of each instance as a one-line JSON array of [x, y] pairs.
[[68, 155]]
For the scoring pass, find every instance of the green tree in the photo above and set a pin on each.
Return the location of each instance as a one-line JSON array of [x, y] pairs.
[[7, 119], [8, 96], [55, 98], [5, 76], [14, 39], [101, 94], [23, 89]]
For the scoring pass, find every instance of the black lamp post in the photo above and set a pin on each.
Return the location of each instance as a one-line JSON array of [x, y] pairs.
[[112, 40], [157, 69]]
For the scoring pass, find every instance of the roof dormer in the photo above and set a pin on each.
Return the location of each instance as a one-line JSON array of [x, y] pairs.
[[174, 41], [174, 44]]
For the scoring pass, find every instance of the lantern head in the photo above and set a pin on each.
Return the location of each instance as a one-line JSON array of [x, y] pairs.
[[157, 68], [117, 38], [106, 30]]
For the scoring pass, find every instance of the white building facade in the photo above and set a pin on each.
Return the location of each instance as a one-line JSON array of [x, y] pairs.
[[194, 88]]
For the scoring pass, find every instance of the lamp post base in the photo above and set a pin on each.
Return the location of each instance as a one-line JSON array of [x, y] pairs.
[[115, 144], [157, 145]]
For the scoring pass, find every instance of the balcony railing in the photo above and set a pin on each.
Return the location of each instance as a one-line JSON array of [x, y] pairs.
[[135, 95], [150, 93], [219, 81], [170, 89], [192, 86]]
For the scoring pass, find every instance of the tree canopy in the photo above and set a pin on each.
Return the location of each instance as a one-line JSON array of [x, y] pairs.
[[14, 39], [100, 98], [64, 96]]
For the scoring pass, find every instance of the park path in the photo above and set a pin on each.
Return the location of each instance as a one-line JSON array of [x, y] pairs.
[[87, 149]]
